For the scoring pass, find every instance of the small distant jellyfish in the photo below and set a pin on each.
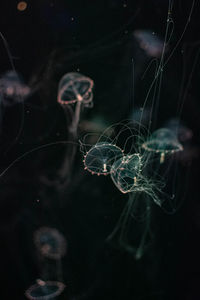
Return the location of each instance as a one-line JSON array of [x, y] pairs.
[[100, 158], [124, 172], [44, 290], [12, 88], [75, 87], [162, 141], [22, 5], [50, 243], [75, 91], [149, 42]]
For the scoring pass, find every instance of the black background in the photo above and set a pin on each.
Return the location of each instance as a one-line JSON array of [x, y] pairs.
[[45, 43]]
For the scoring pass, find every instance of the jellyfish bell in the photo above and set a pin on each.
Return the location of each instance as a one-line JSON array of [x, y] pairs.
[[183, 133], [12, 88], [162, 141], [100, 158], [50, 243], [125, 172], [75, 87], [149, 42], [44, 290]]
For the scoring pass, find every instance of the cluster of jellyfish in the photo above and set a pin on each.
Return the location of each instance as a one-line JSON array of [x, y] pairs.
[[135, 169], [133, 158]]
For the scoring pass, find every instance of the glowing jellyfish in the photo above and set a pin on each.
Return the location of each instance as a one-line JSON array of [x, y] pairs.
[[75, 87], [50, 243], [100, 158], [74, 93], [44, 290], [162, 141], [124, 172], [12, 88]]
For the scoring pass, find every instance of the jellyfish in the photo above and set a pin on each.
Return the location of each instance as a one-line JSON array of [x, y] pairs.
[[162, 141], [74, 91], [75, 88], [51, 244], [149, 42], [12, 91], [100, 158], [12, 88], [44, 290], [183, 133]]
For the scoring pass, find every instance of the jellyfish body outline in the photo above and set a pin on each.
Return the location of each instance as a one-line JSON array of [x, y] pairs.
[[162, 141], [100, 158], [12, 88], [46, 289], [50, 243], [68, 84]]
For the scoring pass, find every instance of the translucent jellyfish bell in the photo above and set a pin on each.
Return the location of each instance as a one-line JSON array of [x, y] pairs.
[[149, 42], [44, 290], [50, 242], [125, 171], [12, 88], [183, 133], [162, 141], [100, 158], [75, 87]]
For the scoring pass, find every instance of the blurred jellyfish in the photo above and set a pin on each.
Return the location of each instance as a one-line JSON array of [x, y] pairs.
[[140, 115], [51, 244], [12, 91], [44, 290], [183, 133], [149, 42], [74, 92], [12, 88], [100, 158], [162, 141]]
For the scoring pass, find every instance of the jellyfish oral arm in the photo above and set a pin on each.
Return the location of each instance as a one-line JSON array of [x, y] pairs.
[[104, 168], [74, 125], [162, 157]]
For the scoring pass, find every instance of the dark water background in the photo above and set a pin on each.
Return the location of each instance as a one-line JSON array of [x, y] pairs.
[[46, 43]]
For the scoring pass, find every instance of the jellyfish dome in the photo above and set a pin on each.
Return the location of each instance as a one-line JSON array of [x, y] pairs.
[[45, 290], [125, 172], [184, 133], [149, 42], [74, 87], [50, 242], [162, 141], [100, 158]]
